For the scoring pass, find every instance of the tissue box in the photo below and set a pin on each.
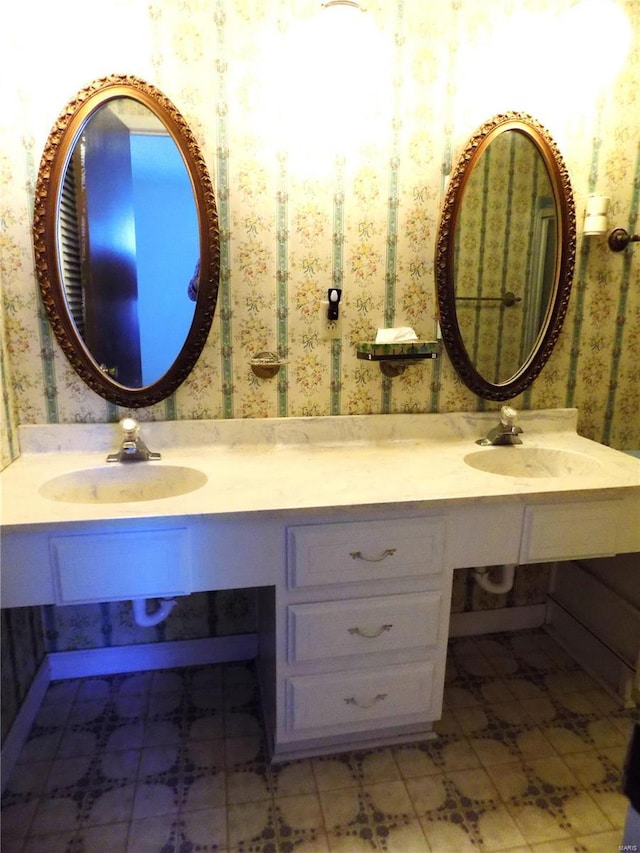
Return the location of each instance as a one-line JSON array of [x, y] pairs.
[[398, 335]]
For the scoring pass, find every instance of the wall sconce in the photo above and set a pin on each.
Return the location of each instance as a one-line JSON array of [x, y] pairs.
[[619, 239], [595, 216], [595, 224]]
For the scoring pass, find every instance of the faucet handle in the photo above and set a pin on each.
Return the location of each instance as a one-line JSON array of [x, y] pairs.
[[508, 416], [130, 427]]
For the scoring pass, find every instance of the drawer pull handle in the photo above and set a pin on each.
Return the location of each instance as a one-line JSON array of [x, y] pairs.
[[379, 698], [368, 635], [358, 555]]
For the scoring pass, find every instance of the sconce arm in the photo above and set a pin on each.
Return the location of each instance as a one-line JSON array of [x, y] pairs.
[[619, 239]]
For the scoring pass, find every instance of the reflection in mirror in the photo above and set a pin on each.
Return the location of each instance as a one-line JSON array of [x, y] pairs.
[[504, 234], [126, 241], [128, 223], [505, 256]]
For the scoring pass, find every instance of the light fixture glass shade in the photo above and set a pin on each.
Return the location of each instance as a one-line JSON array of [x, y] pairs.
[[595, 216], [597, 205], [595, 226]]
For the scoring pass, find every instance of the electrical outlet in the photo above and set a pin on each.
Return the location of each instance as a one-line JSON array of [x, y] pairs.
[[329, 331]]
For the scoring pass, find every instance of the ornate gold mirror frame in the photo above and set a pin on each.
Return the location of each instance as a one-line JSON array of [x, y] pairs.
[[565, 243], [53, 166]]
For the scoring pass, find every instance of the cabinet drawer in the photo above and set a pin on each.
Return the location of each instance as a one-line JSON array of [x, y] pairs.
[[567, 531], [356, 698], [362, 626], [360, 551], [117, 566]]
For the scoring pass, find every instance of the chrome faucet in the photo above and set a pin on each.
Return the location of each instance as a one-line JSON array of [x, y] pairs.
[[506, 432], [133, 448]]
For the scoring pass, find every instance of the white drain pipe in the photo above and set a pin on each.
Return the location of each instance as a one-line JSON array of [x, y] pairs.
[[496, 587], [148, 620]]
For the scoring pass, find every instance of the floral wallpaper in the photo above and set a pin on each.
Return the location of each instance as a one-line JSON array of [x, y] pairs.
[[362, 210], [315, 191], [196, 616]]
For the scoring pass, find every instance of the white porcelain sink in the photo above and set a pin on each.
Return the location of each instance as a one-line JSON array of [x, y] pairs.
[[519, 461], [123, 483]]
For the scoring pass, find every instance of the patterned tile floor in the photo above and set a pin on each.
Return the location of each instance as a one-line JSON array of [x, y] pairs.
[[528, 759]]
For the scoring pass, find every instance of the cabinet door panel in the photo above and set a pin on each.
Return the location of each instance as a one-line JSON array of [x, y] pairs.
[[117, 566], [566, 531]]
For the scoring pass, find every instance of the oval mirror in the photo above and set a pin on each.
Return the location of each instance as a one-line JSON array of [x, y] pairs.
[[126, 240], [505, 256]]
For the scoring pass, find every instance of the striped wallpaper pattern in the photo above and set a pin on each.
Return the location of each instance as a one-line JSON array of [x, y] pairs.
[[371, 225]]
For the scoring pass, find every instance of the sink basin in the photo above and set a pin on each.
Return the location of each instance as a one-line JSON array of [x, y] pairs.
[[518, 461], [124, 483]]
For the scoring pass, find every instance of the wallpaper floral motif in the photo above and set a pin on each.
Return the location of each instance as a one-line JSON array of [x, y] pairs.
[[359, 211], [109, 624]]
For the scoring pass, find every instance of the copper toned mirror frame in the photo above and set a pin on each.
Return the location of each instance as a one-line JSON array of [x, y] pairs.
[[565, 258], [51, 173]]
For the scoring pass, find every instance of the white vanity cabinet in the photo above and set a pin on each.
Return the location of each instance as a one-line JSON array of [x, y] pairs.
[[353, 573], [361, 629], [353, 642]]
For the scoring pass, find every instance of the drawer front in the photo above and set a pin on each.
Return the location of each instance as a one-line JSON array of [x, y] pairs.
[[360, 551], [356, 698], [568, 531], [117, 566], [362, 626]]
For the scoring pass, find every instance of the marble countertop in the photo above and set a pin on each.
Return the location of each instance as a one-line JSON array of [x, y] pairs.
[[288, 464]]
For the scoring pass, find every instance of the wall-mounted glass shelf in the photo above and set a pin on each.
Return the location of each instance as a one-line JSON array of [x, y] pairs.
[[407, 349], [395, 357]]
